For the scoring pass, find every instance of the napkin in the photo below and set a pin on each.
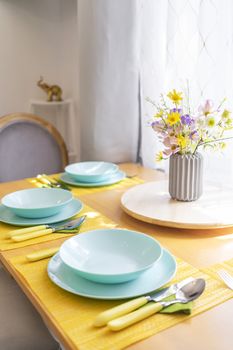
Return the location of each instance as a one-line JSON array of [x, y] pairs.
[[178, 307]]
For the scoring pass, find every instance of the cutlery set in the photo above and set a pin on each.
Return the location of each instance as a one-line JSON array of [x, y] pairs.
[[103, 318], [185, 292], [43, 230], [46, 181]]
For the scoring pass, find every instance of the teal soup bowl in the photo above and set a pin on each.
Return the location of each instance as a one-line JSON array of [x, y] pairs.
[[92, 171], [110, 255], [37, 202]]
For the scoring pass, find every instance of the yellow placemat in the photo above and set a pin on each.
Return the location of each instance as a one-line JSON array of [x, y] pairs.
[[74, 315], [78, 191], [93, 221]]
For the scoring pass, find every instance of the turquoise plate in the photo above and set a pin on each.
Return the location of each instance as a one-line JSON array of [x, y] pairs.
[[91, 171], [72, 208], [117, 177], [155, 277], [37, 203]]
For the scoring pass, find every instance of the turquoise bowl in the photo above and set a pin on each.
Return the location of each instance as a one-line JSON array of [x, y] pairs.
[[110, 255], [91, 171], [37, 202]]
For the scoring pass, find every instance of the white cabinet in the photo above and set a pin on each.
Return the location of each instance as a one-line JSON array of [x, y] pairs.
[[61, 115]]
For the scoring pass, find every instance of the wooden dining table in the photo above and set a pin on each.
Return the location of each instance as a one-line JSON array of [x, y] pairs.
[[209, 330]]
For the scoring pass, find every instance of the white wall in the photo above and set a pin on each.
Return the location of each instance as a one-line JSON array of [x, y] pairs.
[[36, 38]]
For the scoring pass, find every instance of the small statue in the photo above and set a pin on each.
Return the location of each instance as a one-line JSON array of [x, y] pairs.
[[54, 92]]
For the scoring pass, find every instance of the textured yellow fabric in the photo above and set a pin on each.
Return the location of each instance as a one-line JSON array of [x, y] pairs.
[[78, 191], [74, 315], [93, 221]]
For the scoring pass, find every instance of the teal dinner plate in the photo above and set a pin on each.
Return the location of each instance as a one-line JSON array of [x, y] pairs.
[[71, 209], [155, 277], [117, 177], [91, 171]]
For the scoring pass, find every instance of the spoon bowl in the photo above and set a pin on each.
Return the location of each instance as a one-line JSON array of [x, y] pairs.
[[189, 291]]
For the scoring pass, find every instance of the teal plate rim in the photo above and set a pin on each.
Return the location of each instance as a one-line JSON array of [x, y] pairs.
[[71, 209], [111, 181], [152, 279]]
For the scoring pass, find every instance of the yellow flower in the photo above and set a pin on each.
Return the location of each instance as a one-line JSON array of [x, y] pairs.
[[226, 114], [211, 122], [222, 145], [159, 114], [173, 118], [229, 122], [182, 141], [175, 96], [159, 156]]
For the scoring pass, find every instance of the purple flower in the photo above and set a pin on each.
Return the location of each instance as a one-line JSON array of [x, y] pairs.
[[158, 125], [194, 136], [186, 119], [178, 110]]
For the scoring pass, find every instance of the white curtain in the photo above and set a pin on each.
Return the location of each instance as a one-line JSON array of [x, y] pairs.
[[108, 79], [188, 41], [134, 49]]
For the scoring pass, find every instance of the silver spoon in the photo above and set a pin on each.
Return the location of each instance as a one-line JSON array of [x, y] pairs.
[[189, 292]]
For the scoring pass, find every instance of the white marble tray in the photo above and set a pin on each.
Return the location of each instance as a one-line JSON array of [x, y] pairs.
[[151, 202]]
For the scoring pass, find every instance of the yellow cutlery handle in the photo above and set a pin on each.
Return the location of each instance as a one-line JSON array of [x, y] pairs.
[[30, 235], [50, 179], [135, 316], [104, 317], [25, 230], [42, 254]]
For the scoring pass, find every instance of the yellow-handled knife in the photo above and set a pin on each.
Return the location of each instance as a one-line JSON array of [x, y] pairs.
[[21, 231], [42, 254], [104, 317], [38, 231]]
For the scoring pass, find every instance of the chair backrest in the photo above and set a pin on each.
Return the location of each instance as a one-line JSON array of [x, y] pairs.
[[29, 145]]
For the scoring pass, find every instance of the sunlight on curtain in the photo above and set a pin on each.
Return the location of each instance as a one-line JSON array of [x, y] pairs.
[[187, 40]]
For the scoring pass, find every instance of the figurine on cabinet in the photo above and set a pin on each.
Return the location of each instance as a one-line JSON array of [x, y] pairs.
[[54, 92]]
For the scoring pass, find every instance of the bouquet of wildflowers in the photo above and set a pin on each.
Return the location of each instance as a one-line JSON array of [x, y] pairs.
[[183, 131]]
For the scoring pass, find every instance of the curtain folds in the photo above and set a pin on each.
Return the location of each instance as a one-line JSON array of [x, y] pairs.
[[108, 47]]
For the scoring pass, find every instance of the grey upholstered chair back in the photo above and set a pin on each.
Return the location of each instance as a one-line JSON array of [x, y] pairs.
[[29, 145]]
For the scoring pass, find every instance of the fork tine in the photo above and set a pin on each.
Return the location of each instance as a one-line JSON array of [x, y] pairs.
[[226, 277]]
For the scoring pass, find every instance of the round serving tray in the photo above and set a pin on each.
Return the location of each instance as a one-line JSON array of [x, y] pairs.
[[151, 202]]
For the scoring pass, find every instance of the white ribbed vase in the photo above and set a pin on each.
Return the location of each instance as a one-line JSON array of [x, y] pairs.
[[186, 176]]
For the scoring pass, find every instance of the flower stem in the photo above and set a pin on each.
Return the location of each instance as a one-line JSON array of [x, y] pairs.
[[216, 140]]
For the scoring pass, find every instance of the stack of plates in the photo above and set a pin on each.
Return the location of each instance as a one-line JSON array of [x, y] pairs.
[[38, 206], [111, 264], [92, 174]]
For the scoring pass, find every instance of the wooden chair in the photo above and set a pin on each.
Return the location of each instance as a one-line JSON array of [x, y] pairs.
[[29, 145]]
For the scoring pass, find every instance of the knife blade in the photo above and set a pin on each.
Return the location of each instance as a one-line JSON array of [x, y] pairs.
[[104, 317], [51, 228]]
